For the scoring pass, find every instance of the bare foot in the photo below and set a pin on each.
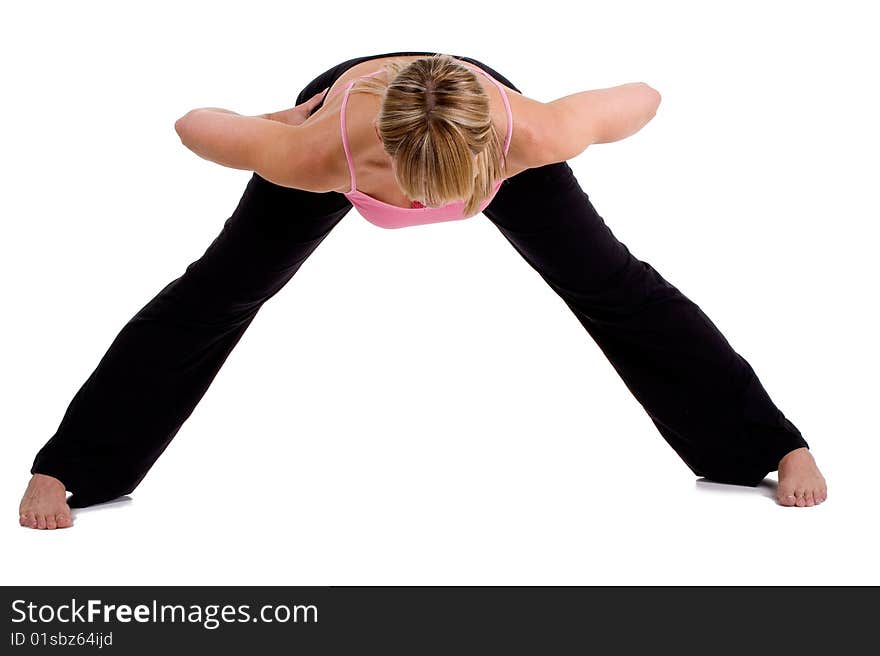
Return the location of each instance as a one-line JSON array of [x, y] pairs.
[[800, 482], [44, 504]]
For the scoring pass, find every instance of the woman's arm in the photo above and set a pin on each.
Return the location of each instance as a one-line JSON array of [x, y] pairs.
[[564, 128], [272, 145]]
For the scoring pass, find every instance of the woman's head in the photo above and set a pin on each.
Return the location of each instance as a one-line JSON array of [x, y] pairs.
[[435, 124]]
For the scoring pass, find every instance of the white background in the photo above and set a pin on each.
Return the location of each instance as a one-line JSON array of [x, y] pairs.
[[417, 406]]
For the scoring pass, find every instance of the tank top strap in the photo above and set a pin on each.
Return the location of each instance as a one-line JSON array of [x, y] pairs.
[[343, 130], [506, 104]]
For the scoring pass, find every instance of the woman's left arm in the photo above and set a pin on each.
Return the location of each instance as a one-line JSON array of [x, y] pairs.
[[562, 129], [272, 145]]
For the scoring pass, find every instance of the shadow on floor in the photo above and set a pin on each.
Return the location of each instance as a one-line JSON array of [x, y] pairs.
[[114, 503], [766, 488]]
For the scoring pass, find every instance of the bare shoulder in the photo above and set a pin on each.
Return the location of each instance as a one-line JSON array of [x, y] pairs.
[[320, 137], [530, 119]]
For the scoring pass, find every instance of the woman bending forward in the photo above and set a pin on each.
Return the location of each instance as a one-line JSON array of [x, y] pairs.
[[410, 138]]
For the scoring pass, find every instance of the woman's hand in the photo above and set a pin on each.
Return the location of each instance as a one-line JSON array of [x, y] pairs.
[[295, 115]]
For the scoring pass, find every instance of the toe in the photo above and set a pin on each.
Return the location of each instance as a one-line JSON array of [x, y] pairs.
[[787, 499], [808, 499], [799, 495], [22, 519], [50, 522], [32, 520], [63, 520], [41, 521]]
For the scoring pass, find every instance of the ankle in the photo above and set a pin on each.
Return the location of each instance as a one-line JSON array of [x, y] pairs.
[[793, 454], [45, 479]]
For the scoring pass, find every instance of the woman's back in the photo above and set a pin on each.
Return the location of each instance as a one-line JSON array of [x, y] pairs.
[[358, 152]]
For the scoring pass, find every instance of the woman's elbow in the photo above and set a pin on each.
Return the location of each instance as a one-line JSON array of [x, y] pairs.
[[652, 98], [180, 125]]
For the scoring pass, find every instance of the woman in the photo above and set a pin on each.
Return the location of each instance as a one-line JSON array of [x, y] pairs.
[[411, 138]]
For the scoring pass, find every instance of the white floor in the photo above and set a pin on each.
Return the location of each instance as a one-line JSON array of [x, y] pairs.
[[527, 522], [334, 452]]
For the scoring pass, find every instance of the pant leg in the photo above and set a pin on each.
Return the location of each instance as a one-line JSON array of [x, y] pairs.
[[161, 363], [703, 397], [163, 360]]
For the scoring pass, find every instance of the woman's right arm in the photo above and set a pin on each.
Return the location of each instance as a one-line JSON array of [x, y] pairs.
[[563, 128], [284, 154]]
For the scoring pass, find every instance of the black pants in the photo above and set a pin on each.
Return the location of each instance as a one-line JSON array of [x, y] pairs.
[[704, 398]]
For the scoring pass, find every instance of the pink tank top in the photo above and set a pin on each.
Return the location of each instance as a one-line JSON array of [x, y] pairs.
[[386, 215]]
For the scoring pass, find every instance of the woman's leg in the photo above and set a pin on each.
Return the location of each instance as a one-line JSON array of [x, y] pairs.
[[704, 398], [161, 363]]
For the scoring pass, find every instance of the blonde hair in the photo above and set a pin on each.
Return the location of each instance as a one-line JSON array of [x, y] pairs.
[[434, 122]]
